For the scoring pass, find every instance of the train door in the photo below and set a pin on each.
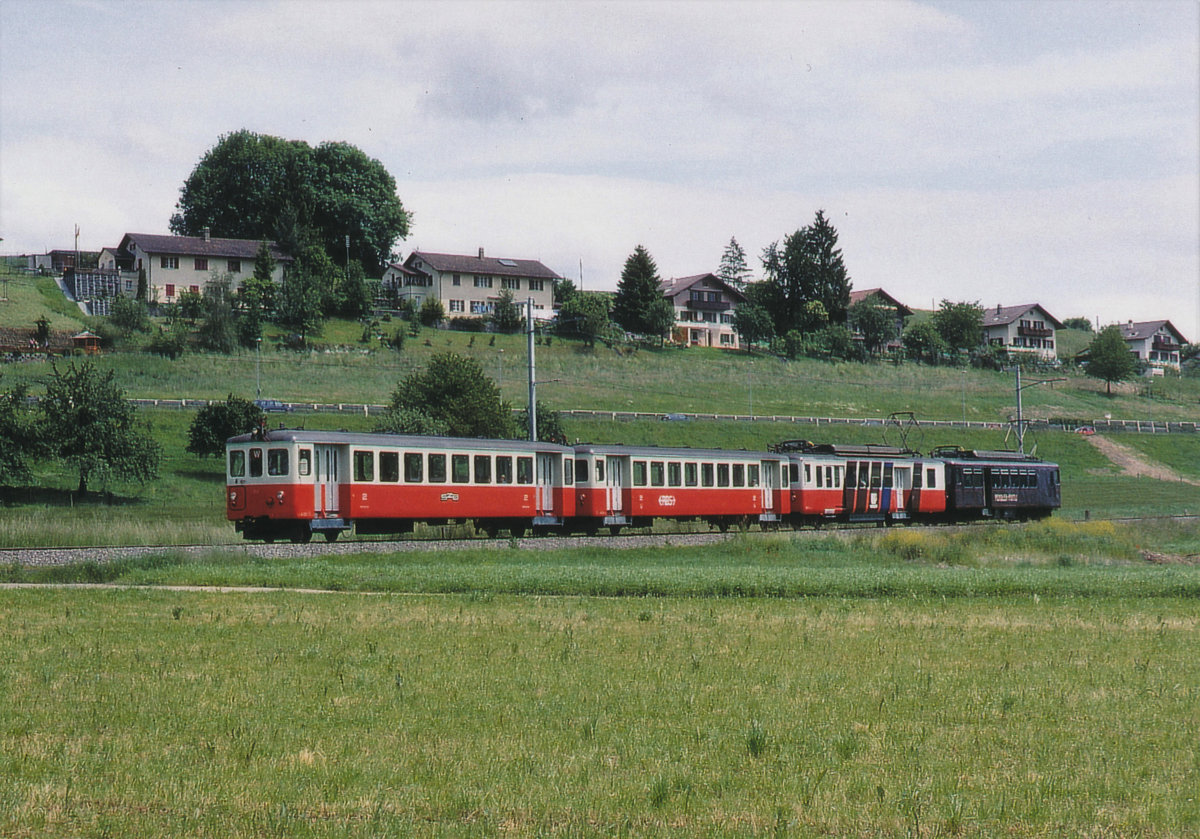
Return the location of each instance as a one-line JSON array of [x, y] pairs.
[[771, 486], [902, 480], [544, 484], [326, 471], [614, 488]]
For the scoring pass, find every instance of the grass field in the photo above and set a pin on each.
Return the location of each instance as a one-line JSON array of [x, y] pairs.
[[153, 713]]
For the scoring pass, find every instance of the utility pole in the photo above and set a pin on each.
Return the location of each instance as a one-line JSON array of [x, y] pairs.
[[532, 376], [1020, 417]]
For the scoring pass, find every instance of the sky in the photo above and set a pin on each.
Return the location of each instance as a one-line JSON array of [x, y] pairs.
[[995, 152]]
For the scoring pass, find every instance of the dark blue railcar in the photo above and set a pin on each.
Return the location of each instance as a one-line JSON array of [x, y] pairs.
[[998, 484]]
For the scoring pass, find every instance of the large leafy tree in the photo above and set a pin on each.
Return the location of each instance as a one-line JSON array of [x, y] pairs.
[[217, 329], [808, 269], [86, 421], [875, 322], [216, 423], [506, 315], [753, 323], [922, 341], [1109, 357], [639, 305], [733, 269], [586, 314], [18, 435], [452, 396], [255, 186], [959, 324], [301, 299]]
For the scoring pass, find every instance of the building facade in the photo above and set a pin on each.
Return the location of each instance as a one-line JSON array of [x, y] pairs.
[[880, 298], [1028, 329], [704, 307], [175, 264], [1156, 342], [468, 286]]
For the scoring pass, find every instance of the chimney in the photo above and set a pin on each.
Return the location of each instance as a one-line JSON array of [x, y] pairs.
[[207, 233], [481, 253]]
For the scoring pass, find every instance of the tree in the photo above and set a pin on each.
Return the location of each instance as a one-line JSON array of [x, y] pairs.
[[639, 306], [564, 290], [733, 269], [453, 391], [352, 296], [216, 423], [256, 297], [18, 437], [875, 322], [808, 269], [585, 314], [1109, 357], [432, 312], [300, 300], [922, 341], [549, 424], [506, 316], [255, 186], [217, 330], [1082, 324], [753, 324], [128, 315], [959, 324], [86, 421], [142, 288]]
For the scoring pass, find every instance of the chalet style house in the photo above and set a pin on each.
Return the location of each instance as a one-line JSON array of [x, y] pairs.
[[883, 300], [1027, 329], [468, 286], [704, 305], [1156, 342], [173, 265]]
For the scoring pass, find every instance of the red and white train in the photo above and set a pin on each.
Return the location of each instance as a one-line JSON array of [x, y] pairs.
[[290, 484]]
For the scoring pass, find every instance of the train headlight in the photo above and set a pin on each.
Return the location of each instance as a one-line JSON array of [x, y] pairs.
[[279, 496]]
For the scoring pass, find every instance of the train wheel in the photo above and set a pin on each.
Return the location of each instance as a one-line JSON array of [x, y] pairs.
[[614, 530], [302, 537], [490, 530], [332, 535], [517, 531]]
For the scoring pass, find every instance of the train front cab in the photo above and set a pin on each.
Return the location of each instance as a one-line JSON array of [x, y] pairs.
[[863, 484], [1001, 485], [280, 488]]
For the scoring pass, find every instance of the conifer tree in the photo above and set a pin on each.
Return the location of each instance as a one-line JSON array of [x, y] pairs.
[[640, 306]]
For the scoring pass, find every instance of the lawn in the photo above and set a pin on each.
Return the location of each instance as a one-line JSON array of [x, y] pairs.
[[151, 713]]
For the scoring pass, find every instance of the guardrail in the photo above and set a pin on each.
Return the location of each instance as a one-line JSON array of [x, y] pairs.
[[1118, 425]]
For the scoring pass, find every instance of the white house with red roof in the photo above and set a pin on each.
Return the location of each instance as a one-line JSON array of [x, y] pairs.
[[1156, 342], [1026, 329], [175, 264], [468, 286], [704, 307]]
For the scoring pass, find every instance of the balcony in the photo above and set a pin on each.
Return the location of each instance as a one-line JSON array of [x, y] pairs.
[[1035, 332], [1165, 345], [710, 305]]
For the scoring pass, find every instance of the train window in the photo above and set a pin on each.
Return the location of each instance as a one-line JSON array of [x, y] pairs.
[[830, 475], [277, 462], [364, 466], [256, 463], [437, 469], [739, 475], [460, 468], [237, 463], [794, 471], [876, 474], [599, 471], [504, 470], [413, 463], [581, 469], [639, 473], [657, 473], [917, 477], [483, 469], [304, 462], [888, 475], [524, 470], [706, 475], [752, 475], [722, 474], [569, 471], [851, 473], [691, 474], [675, 474], [389, 467], [820, 477], [931, 478]]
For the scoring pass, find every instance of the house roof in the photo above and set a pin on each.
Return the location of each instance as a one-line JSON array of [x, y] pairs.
[[198, 246], [859, 296], [464, 264], [677, 285], [1131, 331], [1003, 315]]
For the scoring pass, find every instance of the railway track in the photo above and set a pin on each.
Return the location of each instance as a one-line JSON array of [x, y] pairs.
[[108, 553]]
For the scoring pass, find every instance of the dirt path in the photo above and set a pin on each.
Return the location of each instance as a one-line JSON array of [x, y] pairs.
[[1134, 463]]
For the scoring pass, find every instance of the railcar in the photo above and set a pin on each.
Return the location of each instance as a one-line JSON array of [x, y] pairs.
[[290, 484], [617, 486], [998, 484]]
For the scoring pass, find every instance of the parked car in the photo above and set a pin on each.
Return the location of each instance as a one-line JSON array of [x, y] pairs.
[[273, 406], [1085, 430]]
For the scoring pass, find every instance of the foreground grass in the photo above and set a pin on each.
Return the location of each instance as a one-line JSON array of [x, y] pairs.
[[192, 714]]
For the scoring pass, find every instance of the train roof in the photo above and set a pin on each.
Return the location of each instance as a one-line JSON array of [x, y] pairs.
[[362, 438], [681, 452], [842, 450], [956, 453]]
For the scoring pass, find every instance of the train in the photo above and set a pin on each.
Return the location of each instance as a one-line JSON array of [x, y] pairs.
[[292, 484]]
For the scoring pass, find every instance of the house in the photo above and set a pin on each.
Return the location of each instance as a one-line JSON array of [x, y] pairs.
[[704, 305], [1028, 329], [884, 300], [468, 286], [1157, 342], [175, 264]]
